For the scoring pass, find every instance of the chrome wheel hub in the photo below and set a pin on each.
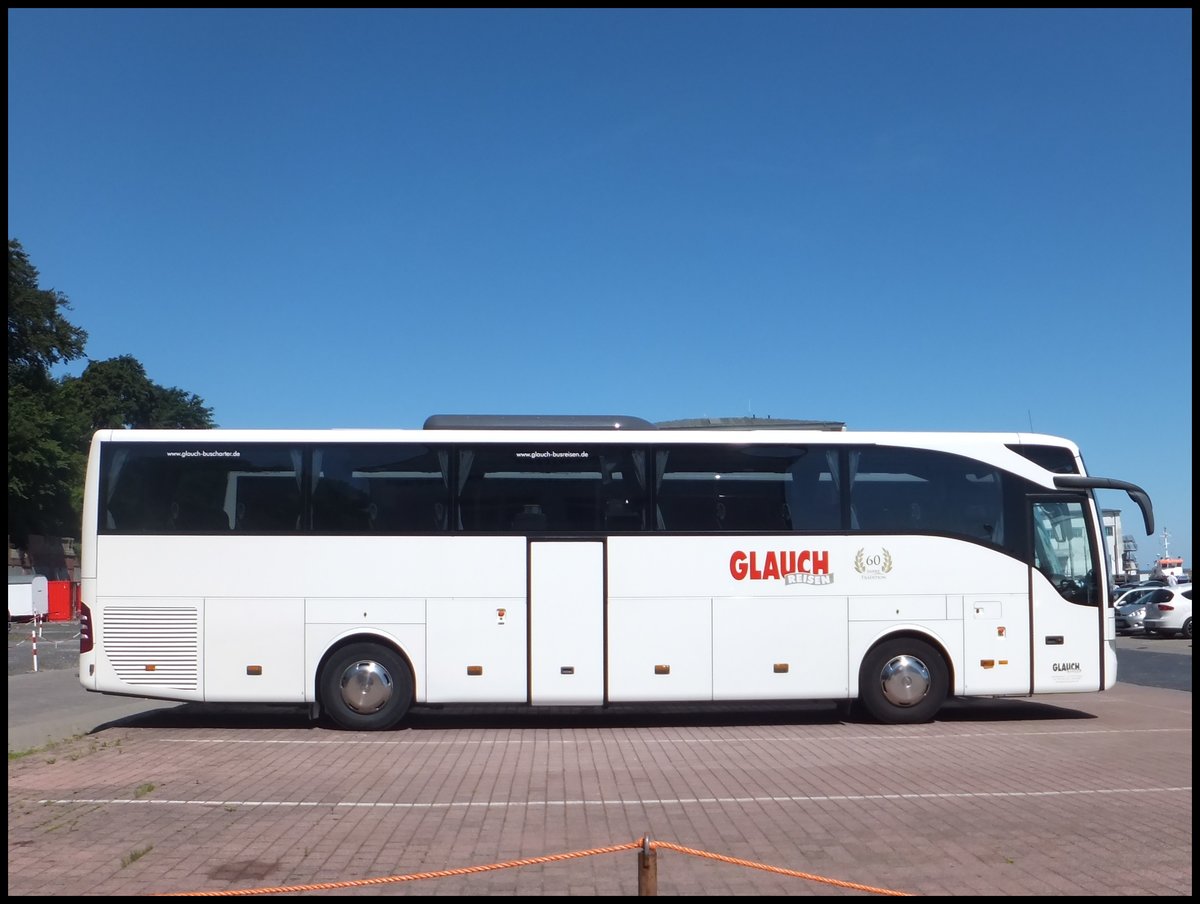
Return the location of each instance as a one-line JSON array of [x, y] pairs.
[[366, 686], [905, 681]]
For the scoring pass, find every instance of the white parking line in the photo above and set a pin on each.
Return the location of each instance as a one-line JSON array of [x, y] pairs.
[[769, 739], [640, 802]]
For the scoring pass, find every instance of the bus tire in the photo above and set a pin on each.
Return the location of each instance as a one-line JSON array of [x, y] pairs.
[[903, 681], [850, 711], [366, 687]]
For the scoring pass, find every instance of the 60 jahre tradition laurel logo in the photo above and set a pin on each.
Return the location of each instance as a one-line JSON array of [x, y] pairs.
[[874, 566]]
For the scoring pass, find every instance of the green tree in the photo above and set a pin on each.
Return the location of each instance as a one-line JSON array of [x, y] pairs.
[[177, 409], [51, 421], [39, 336], [117, 393], [45, 460]]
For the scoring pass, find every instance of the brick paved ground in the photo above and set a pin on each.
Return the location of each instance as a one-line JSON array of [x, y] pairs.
[[1025, 797]]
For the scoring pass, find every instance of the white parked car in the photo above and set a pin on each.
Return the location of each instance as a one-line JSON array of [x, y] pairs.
[[1131, 608], [1129, 594], [1172, 615]]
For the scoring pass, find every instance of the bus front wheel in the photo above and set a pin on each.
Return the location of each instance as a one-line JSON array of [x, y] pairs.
[[366, 687], [903, 681]]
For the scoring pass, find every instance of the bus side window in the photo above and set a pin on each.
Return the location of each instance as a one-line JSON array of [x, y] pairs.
[[531, 517], [137, 486], [687, 504], [196, 501], [338, 506], [268, 503], [813, 505], [196, 517], [622, 514]]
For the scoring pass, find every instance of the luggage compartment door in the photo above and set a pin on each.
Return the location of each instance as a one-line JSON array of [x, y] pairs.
[[566, 622]]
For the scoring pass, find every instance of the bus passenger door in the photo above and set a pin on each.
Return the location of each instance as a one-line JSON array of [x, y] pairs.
[[1068, 625], [566, 622]]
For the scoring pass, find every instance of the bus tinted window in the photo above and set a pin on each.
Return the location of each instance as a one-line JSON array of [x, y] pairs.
[[541, 487], [897, 490], [1052, 458], [746, 488], [163, 488], [380, 489]]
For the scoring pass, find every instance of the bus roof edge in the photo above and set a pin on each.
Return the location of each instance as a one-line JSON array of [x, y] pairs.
[[535, 422]]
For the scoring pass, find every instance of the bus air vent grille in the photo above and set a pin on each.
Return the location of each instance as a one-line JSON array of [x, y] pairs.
[[155, 647]]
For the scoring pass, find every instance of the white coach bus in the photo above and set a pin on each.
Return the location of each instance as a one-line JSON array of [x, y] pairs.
[[585, 561]]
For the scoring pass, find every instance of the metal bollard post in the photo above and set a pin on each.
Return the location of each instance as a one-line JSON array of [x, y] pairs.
[[33, 640], [647, 869]]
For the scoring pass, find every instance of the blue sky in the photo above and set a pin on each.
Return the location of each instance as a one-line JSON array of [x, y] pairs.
[[909, 219]]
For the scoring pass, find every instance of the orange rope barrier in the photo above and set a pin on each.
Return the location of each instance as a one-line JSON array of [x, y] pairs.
[[436, 874], [532, 861], [666, 845]]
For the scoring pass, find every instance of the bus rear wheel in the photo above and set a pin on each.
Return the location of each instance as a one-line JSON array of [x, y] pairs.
[[903, 681], [366, 687]]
